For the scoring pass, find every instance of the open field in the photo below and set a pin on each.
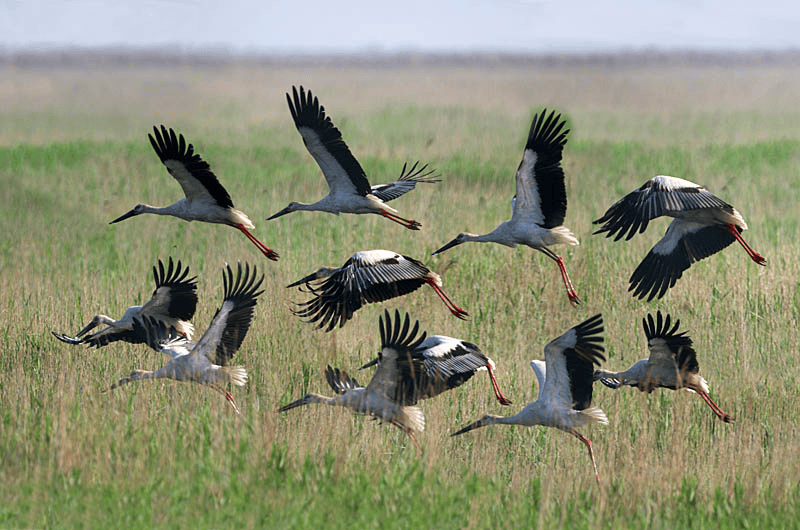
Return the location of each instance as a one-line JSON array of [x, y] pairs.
[[74, 155]]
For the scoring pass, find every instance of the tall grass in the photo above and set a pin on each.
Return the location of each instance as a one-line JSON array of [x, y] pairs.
[[169, 454]]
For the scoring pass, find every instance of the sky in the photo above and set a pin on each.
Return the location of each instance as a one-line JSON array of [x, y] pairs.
[[345, 26]]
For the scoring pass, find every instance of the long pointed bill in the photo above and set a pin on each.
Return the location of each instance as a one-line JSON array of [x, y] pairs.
[[124, 216], [373, 362], [282, 212], [447, 246], [471, 426], [293, 405]]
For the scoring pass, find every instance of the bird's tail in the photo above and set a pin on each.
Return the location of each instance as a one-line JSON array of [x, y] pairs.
[[414, 418], [564, 235], [596, 415], [237, 375]]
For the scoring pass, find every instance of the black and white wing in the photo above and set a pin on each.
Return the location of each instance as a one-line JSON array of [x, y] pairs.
[[400, 375], [175, 295], [192, 172], [340, 381], [541, 193], [570, 361], [324, 142], [367, 277], [407, 182], [684, 243], [661, 195], [669, 349], [230, 324], [156, 334]]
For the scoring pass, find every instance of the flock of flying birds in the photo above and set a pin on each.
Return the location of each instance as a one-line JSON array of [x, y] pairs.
[[412, 366]]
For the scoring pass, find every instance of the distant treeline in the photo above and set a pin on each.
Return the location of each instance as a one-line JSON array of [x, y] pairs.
[[162, 57]]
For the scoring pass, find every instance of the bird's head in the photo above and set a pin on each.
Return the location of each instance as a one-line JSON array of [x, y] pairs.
[[138, 209], [293, 206], [460, 238]]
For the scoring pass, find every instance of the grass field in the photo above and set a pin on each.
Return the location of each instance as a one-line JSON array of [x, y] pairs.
[[74, 155]]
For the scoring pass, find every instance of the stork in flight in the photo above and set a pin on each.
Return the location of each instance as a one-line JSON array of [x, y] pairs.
[[703, 225], [350, 191], [540, 205], [366, 277], [440, 363], [206, 361], [205, 198], [672, 364], [173, 303], [565, 386], [403, 377]]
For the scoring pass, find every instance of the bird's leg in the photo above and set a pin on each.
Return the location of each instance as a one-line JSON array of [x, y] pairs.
[[457, 311], [499, 395], [591, 454], [268, 252], [710, 402], [230, 399], [571, 294], [755, 256], [416, 443], [408, 223]]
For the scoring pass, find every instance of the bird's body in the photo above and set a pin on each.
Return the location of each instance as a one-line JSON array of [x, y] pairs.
[[205, 361], [173, 303], [565, 386], [540, 204], [366, 277], [702, 225], [450, 363], [205, 198], [672, 364], [350, 191], [400, 380]]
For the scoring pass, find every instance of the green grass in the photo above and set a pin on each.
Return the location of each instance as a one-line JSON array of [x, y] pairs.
[[166, 454]]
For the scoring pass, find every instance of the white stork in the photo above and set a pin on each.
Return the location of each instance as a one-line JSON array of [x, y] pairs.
[[672, 364], [703, 225], [565, 386], [447, 363], [205, 361], [366, 277], [350, 191], [173, 303], [540, 205], [205, 198], [403, 377]]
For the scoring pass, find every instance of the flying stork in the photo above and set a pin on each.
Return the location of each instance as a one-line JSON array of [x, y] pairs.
[[366, 277], [205, 361], [540, 204], [447, 363], [672, 364], [173, 303], [703, 225], [403, 377], [205, 198], [350, 191], [565, 386]]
